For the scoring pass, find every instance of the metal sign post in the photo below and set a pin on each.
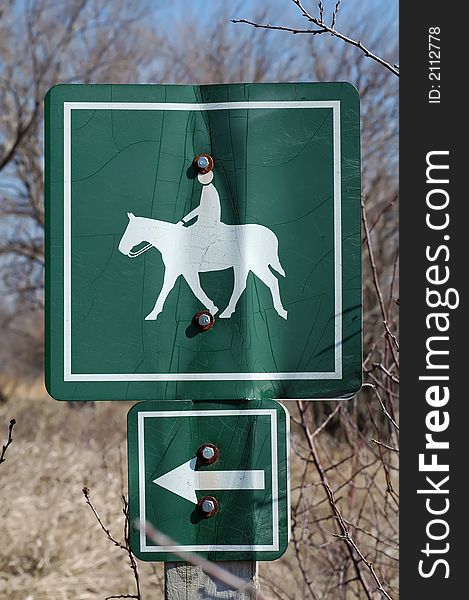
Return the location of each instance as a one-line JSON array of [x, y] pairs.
[[188, 581]]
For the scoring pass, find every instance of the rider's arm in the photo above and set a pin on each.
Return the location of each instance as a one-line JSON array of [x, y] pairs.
[[190, 215]]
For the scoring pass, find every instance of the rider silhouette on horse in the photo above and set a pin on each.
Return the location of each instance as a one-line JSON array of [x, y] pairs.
[[208, 212]]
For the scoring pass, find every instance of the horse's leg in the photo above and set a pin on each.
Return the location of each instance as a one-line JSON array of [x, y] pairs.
[[192, 278], [240, 277], [168, 284], [266, 275]]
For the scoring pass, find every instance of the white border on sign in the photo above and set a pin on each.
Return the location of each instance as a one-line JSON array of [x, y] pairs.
[[127, 377], [144, 547]]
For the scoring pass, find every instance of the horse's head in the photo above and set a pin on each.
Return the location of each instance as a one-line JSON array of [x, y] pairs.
[[132, 236]]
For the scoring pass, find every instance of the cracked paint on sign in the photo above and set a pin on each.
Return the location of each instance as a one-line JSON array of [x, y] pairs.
[[250, 480], [287, 177], [207, 245]]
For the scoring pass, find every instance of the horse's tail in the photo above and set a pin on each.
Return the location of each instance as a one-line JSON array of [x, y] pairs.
[[275, 262]]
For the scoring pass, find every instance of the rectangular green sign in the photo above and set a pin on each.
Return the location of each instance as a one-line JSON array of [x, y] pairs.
[[247, 484], [137, 242]]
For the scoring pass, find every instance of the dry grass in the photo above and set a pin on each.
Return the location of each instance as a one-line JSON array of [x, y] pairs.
[[53, 549]]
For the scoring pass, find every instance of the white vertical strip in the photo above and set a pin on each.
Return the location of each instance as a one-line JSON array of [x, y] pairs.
[[67, 242], [287, 420], [337, 239], [275, 523], [141, 479]]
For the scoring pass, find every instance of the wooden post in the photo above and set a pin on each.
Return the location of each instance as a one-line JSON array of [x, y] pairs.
[[184, 581]]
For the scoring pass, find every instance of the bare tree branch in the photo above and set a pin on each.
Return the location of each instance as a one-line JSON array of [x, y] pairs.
[[321, 28], [122, 545], [393, 344], [356, 555]]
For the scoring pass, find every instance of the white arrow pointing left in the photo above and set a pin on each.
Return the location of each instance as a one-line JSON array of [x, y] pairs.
[[185, 480]]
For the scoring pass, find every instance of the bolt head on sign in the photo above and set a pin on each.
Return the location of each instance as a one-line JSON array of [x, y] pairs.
[[209, 505], [204, 163], [236, 508], [204, 320], [208, 453], [265, 238]]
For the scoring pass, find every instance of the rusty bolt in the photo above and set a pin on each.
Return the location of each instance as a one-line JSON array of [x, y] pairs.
[[208, 505], [208, 454], [203, 320], [204, 163]]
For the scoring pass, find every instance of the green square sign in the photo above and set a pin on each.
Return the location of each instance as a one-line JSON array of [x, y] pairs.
[[247, 483], [138, 241]]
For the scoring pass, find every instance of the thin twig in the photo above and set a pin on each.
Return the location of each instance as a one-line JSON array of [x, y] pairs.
[[393, 344], [9, 441], [334, 14], [133, 562], [381, 367], [383, 408], [123, 546], [385, 445]]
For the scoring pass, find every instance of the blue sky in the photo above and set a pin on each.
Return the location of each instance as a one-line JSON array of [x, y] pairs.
[[285, 12]]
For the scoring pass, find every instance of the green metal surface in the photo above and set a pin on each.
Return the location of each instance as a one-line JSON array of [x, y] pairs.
[[290, 164], [251, 524]]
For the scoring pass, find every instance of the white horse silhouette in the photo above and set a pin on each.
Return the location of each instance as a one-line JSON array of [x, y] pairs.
[[188, 251]]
